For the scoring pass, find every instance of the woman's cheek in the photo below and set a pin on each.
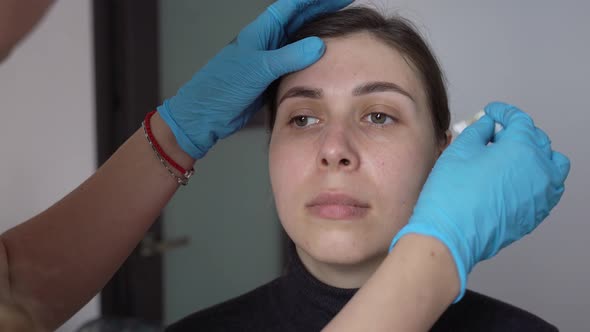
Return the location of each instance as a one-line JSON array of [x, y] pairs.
[[406, 167], [286, 164]]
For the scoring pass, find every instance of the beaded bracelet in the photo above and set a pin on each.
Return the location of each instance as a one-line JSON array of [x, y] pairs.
[[162, 156]]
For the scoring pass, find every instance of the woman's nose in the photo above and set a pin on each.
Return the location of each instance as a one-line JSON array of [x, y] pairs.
[[337, 151]]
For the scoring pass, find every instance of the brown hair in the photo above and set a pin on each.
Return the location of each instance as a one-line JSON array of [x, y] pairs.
[[395, 31]]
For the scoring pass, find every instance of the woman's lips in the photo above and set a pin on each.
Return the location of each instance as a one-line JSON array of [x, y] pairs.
[[338, 211], [330, 205]]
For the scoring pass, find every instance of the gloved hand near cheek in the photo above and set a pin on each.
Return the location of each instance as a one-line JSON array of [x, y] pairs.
[[479, 198], [223, 95]]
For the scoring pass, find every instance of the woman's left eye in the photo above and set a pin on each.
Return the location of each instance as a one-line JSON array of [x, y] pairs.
[[379, 118]]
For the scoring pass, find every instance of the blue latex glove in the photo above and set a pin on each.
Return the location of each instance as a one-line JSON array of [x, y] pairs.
[[479, 198], [223, 95]]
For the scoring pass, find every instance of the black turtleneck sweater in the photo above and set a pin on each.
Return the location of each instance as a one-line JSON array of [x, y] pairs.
[[297, 301]]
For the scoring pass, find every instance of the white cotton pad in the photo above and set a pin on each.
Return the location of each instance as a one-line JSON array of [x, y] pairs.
[[461, 125]]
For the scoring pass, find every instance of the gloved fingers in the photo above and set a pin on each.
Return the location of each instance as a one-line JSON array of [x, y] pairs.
[[498, 136], [293, 57], [543, 142], [563, 165], [479, 133], [517, 124], [267, 32], [313, 11]]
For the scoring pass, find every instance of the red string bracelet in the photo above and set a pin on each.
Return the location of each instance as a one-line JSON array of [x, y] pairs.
[[148, 129]]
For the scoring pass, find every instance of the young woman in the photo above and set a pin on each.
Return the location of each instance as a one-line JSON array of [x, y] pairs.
[[354, 138]]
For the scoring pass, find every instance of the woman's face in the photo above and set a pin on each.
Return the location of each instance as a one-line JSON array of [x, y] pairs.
[[351, 147]]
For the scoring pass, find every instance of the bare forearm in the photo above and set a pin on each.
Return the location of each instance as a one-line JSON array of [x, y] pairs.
[[61, 258], [17, 19], [410, 290]]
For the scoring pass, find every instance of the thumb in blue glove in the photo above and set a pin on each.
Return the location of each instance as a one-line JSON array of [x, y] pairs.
[[225, 93], [481, 197]]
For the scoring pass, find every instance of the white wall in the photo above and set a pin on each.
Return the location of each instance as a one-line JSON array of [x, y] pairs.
[[47, 125], [534, 54]]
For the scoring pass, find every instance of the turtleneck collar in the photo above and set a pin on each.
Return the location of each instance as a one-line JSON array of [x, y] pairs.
[[303, 292]]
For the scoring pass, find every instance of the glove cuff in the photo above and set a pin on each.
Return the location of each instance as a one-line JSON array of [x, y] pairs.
[[183, 140], [415, 228]]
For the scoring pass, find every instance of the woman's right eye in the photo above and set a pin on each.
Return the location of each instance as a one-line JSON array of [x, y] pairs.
[[302, 121]]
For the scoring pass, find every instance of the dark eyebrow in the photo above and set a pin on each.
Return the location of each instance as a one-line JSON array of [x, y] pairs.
[[302, 91], [363, 89], [371, 87]]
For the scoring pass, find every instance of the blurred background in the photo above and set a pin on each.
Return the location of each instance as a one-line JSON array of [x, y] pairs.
[[81, 83]]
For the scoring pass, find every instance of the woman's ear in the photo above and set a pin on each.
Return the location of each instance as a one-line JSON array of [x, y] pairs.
[[444, 144]]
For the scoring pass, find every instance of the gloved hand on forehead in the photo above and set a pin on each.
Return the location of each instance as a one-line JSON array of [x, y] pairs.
[[225, 93], [481, 197]]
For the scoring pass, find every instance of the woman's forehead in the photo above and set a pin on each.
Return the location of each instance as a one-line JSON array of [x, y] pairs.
[[353, 60]]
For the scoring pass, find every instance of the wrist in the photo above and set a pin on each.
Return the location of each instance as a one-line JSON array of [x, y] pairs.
[[433, 262], [167, 141], [448, 234]]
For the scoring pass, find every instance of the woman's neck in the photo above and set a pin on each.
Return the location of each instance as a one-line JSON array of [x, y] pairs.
[[340, 275]]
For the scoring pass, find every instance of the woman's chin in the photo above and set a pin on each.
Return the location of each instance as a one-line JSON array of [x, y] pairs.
[[343, 249], [342, 264]]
